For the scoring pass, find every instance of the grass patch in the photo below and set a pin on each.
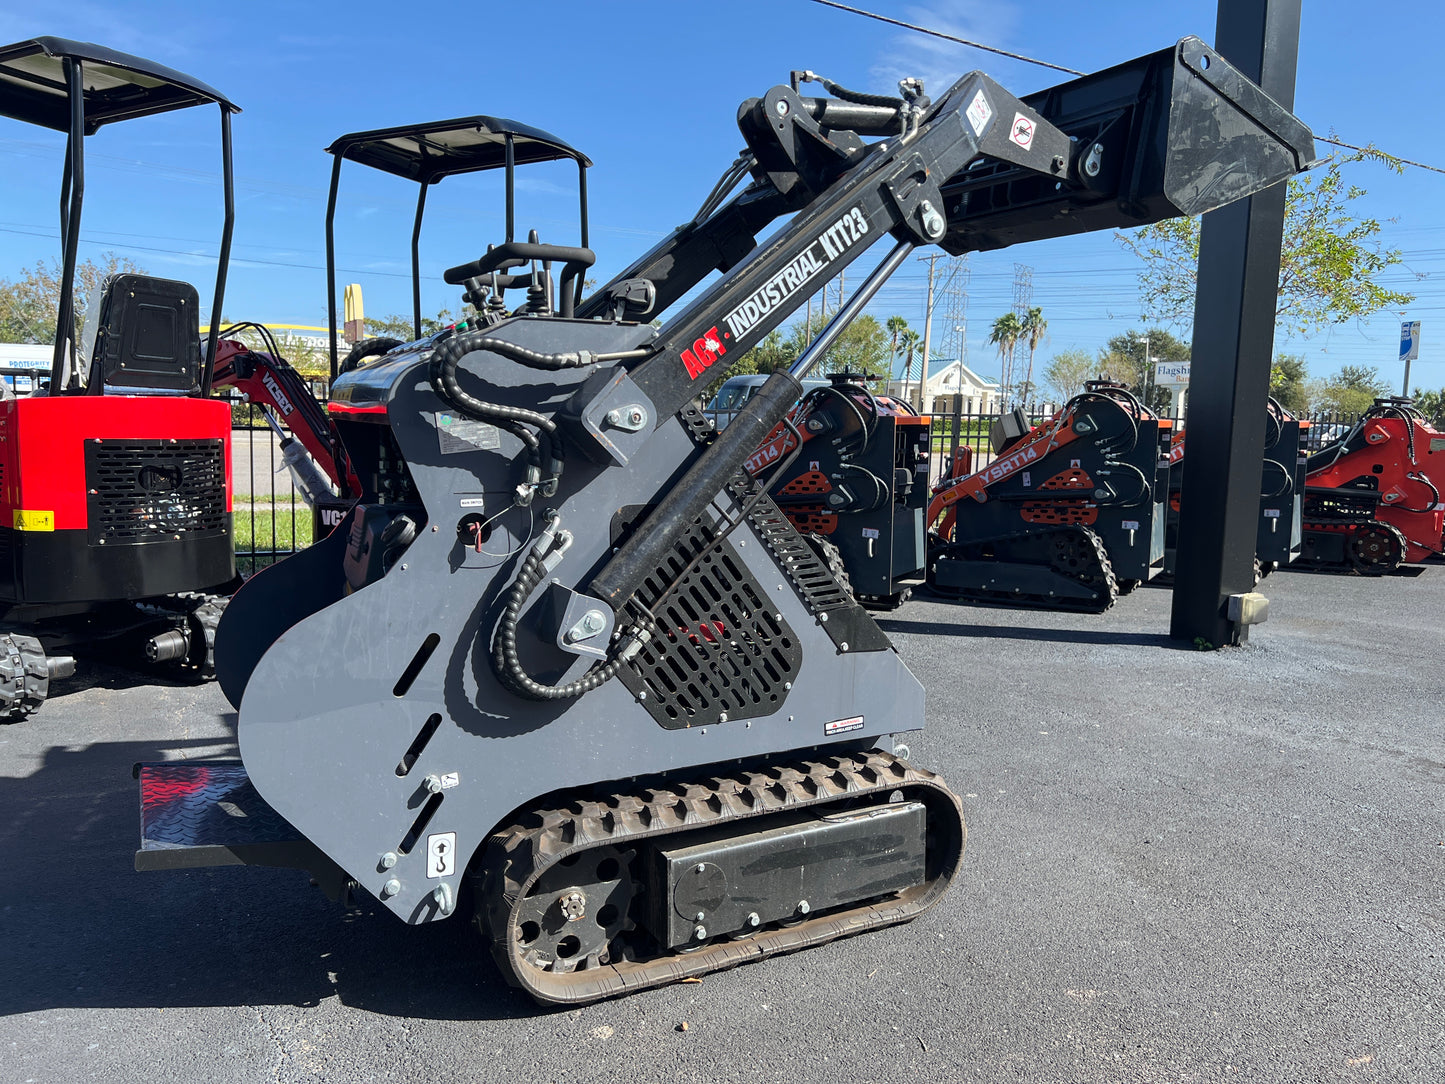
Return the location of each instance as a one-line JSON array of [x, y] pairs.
[[287, 498], [283, 530]]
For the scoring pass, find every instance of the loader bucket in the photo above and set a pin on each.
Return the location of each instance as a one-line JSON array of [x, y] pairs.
[[1177, 132]]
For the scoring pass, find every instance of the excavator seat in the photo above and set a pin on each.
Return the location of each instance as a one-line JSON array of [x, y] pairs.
[[147, 337]]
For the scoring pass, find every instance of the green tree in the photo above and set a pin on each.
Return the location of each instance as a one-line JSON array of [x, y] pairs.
[[863, 347], [1287, 383], [1352, 390], [1330, 263], [1031, 331], [1005, 334], [397, 326], [909, 342], [1066, 372], [896, 326], [1432, 405], [1129, 358], [30, 305]]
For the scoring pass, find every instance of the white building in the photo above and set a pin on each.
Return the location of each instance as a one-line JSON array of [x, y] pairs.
[[22, 363], [945, 380]]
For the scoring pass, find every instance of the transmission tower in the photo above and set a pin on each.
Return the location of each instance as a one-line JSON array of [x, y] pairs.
[[1023, 298], [955, 309]]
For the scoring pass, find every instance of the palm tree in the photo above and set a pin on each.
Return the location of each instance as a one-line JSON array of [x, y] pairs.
[[1005, 334], [1031, 329], [909, 340], [896, 326]]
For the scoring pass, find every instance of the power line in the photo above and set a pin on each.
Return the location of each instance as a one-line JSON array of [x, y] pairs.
[[948, 37], [1387, 154], [1071, 71]]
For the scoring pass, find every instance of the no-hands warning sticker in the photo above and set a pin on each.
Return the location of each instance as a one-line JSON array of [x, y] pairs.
[[1022, 131]]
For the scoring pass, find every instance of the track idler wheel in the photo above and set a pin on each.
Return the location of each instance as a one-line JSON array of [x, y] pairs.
[[1376, 548]]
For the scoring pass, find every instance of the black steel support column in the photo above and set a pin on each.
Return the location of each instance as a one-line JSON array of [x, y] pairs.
[[1239, 255]]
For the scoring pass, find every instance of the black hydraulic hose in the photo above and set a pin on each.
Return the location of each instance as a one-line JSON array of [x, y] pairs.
[[648, 547], [507, 663], [443, 374], [366, 348], [884, 101]]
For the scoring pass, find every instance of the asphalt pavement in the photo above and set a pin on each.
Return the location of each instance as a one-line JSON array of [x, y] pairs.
[[1182, 866]]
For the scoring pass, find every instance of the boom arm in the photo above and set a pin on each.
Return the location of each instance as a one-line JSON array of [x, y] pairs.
[[1173, 133], [271, 380]]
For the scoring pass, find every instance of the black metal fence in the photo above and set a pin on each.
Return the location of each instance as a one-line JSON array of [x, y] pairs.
[[272, 519]]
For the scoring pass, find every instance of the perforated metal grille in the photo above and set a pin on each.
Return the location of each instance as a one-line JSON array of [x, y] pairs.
[[719, 647], [154, 490]]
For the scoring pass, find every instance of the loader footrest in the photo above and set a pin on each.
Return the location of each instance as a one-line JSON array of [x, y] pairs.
[[207, 813]]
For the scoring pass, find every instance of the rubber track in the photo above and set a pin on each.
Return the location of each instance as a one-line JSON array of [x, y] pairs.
[[1103, 568], [1332, 527], [24, 676], [517, 856]]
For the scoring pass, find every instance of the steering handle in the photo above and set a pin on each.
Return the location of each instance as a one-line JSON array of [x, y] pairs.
[[575, 261]]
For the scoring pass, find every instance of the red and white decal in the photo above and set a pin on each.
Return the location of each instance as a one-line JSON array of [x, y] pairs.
[[1022, 131], [844, 233], [978, 113], [704, 352], [1002, 468], [282, 402], [842, 726], [778, 444]]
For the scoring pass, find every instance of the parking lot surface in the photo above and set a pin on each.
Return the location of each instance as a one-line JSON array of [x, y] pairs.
[[1182, 866]]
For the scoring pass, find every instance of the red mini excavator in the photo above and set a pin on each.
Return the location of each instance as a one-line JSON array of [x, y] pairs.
[[1372, 499], [115, 513]]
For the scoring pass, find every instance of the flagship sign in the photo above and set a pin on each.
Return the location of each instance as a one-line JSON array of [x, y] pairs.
[[839, 238]]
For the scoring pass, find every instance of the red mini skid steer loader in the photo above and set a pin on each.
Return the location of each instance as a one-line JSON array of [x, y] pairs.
[[1372, 499], [115, 511]]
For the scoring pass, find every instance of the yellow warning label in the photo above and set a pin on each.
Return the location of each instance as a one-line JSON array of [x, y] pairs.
[[34, 521]]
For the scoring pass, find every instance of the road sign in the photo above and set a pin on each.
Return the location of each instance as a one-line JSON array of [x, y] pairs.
[[1410, 340]]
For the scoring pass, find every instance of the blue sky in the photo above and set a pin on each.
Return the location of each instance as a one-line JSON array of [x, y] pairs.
[[649, 90]]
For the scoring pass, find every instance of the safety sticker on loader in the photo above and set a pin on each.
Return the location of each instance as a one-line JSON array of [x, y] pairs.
[[34, 521], [842, 726], [441, 854], [456, 434]]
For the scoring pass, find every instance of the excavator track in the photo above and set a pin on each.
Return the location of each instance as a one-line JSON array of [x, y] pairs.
[[564, 894], [1063, 568], [1372, 547]]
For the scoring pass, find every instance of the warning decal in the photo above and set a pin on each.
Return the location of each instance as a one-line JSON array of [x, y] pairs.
[[26, 520], [979, 113], [1022, 132], [842, 726]]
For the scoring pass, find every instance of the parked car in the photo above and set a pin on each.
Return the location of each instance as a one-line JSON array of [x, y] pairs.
[[737, 390], [1323, 434]]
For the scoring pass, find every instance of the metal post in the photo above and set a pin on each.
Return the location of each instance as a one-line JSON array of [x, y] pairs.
[[927, 331], [1234, 316], [416, 258], [223, 258], [72, 194], [331, 259]]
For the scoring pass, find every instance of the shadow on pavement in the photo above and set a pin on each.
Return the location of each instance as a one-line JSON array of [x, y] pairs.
[[82, 929], [1007, 632]]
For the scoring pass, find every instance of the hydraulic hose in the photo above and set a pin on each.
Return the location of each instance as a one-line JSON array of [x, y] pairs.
[[506, 660]]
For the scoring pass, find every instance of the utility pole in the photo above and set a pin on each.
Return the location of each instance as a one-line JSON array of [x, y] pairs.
[[927, 329]]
